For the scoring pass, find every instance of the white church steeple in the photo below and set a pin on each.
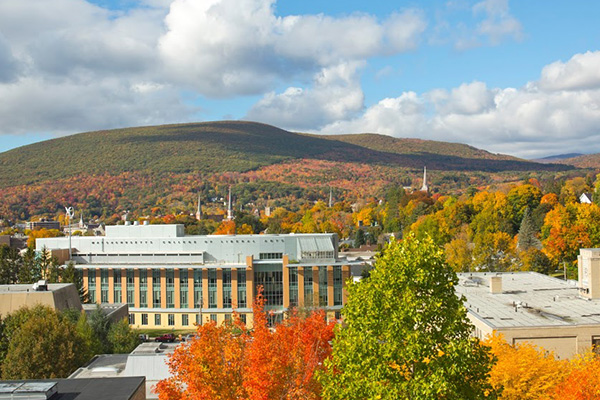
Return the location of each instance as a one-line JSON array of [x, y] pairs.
[[425, 188]]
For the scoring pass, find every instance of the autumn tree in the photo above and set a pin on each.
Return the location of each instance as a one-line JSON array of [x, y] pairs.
[[406, 333], [121, 337], [229, 362], [582, 382], [527, 232], [523, 371]]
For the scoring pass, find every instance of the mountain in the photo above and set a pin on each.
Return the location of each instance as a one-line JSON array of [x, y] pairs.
[[582, 161], [232, 146], [557, 157], [160, 170]]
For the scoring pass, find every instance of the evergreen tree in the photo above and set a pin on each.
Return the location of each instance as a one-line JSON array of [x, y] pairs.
[[406, 333], [100, 325], [30, 268], [122, 338], [72, 275], [359, 238], [10, 263], [527, 233]]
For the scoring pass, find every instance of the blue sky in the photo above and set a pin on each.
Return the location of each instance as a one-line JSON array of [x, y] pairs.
[[516, 77]]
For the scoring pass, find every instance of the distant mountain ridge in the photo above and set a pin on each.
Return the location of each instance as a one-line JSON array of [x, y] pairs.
[[557, 157], [236, 146]]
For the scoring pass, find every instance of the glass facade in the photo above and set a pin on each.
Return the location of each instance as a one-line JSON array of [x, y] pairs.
[[212, 288], [198, 288], [270, 277], [226, 288], [308, 287], [144, 288], [183, 288], [241, 277], [104, 286], [323, 286], [293, 277], [338, 285], [156, 288], [92, 285], [170, 278], [130, 287], [117, 290]]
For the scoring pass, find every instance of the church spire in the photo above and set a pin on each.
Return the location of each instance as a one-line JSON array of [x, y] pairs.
[[199, 210], [330, 196], [229, 209], [425, 188]]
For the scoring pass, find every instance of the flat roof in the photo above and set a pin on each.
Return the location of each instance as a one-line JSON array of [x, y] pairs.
[[528, 299], [89, 388], [29, 288]]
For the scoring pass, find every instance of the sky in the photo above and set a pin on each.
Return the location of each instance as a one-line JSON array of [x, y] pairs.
[[514, 77]]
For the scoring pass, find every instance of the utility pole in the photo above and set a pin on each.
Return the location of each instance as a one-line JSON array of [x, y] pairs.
[[70, 214]]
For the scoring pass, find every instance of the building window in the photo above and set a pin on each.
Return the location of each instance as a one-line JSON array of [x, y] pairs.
[[270, 256], [338, 286], [293, 276], [144, 319], [170, 278], [212, 288], [308, 287], [143, 288], [183, 288], [227, 288], [198, 288], [270, 277], [213, 317], [243, 318], [185, 320], [241, 278], [156, 303], [130, 287], [323, 286], [198, 319], [157, 319], [117, 294], [104, 286], [92, 285], [338, 315], [227, 318], [171, 319], [131, 319]]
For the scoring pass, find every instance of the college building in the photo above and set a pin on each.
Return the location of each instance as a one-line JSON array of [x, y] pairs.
[[171, 280], [557, 315]]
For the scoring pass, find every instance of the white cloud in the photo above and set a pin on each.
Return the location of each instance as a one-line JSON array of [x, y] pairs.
[[527, 121], [336, 95], [498, 22], [228, 47]]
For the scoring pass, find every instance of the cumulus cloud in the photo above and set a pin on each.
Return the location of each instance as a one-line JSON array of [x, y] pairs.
[[498, 22], [558, 113], [335, 95], [227, 47]]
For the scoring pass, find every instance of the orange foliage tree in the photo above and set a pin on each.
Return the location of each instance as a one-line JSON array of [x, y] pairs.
[[523, 371], [582, 381], [230, 362]]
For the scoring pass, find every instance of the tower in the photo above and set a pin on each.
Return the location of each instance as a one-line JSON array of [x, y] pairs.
[[330, 196], [199, 210], [424, 188], [229, 209]]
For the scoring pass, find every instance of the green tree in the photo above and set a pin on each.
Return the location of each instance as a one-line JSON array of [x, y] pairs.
[[122, 338], [44, 346], [407, 335], [72, 275], [359, 238], [30, 268], [527, 233], [10, 263], [100, 325], [88, 336]]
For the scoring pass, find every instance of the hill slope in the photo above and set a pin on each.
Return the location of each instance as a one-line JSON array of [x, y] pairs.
[[236, 146], [582, 161]]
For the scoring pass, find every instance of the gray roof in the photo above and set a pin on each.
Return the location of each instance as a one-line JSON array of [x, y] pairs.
[[86, 389], [528, 299]]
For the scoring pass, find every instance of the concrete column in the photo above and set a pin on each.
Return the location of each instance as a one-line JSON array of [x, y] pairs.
[[315, 272], [204, 288], [98, 286], [136, 286], [177, 292], [234, 288], [111, 286], [345, 277], [150, 282], [219, 287], [286, 282], [86, 287], [300, 286], [124, 286], [330, 285], [249, 281]]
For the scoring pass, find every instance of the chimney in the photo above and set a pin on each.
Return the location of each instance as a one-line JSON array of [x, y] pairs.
[[495, 284]]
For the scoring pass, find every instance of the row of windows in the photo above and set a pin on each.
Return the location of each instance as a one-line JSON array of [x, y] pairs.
[[185, 321], [270, 256], [189, 241]]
